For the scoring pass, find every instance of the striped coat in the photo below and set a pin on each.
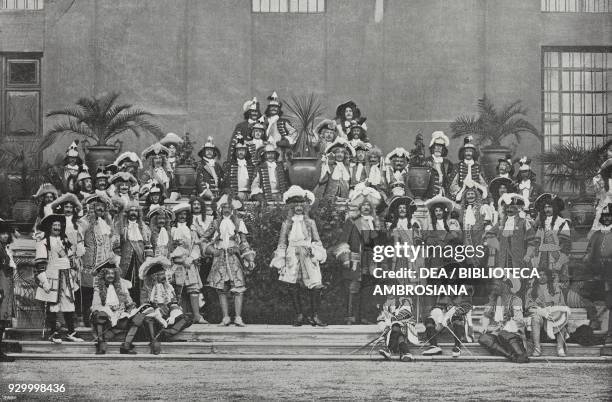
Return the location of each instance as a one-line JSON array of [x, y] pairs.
[[262, 180], [231, 176]]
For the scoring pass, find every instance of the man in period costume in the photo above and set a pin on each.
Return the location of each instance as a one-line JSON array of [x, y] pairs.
[[358, 133], [134, 242], [326, 131], [355, 250], [101, 181], [441, 167], [154, 196], [498, 187], [526, 183], [474, 216], [335, 178], [503, 323], [256, 140], [57, 275], [599, 255], [467, 168], [603, 188], [232, 255], [279, 131], [167, 318], [45, 195], [186, 260], [173, 142], [345, 114], [271, 178], [251, 114], [399, 329], [299, 255], [514, 234], [209, 173], [505, 167], [375, 171], [396, 166], [239, 171], [160, 222], [124, 183], [359, 168], [7, 270], [73, 165], [448, 313], [157, 169], [130, 162], [112, 309]]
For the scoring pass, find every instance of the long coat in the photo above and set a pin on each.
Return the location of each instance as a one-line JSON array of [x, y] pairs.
[[7, 267]]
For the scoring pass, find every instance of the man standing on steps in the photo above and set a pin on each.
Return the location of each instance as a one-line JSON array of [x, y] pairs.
[[299, 254], [7, 267]]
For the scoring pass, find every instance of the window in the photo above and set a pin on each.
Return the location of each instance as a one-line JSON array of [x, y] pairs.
[[21, 4], [576, 96], [288, 6], [20, 117], [576, 6]]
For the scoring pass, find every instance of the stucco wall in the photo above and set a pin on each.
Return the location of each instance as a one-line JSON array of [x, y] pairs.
[[193, 63]]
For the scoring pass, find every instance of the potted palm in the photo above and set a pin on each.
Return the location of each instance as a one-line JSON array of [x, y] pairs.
[[304, 162], [98, 121], [491, 127], [570, 168]]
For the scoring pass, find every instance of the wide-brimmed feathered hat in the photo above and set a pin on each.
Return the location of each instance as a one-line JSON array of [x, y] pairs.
[[45, 224], [362, 193], [110, 169], [401, 200], [524, 164], [160, 210], [64, 198], [210, 144], [46, 188], [497, 182], [123, 176], [83, 175], [470, 184], [511, 199], [171, 139], [325, 123], [340, 142], [183, 206], [297, 195], [153, 265], [106, 264], [550, 199], [128, 156], [225, 199], [97, 197], [438, 137], [251, 104], [397, 152], [446, 203], [342, 107], [156, 149]]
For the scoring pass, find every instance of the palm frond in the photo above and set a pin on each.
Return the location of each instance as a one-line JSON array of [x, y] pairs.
[[512, 110], [516, 126], [466, 125], [306, 109], [486, 109], [115, 110], [68, 127], [74, 112], [106, 101], [138, 126]]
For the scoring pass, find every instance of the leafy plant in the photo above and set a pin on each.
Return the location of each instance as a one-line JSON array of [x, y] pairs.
[[100, 119], [306, 109], [19, 159], [569, 165], [491, 126]]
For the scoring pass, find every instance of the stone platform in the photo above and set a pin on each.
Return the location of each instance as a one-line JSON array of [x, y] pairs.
[[264, 342]]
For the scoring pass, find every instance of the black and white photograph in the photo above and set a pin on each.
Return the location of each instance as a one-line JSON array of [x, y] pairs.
[[305, 200]]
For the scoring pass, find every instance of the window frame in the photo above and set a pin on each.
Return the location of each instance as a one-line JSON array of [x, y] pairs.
[[580, 7], [288, 8]]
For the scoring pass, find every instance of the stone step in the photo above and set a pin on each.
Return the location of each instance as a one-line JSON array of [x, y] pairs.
[[265, 348], [286, 357]]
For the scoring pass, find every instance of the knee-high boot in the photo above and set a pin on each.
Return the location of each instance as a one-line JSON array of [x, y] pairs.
[[536, 326], [126, 347], [315, 304], [490, 342], [4, 358], [607, 349], [155, 345], [352, 304], [297, 305], [101, 344]]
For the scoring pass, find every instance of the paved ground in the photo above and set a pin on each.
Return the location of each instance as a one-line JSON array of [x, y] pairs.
[[175, 380]]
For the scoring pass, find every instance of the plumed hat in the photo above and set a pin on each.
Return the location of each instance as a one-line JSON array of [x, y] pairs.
[[549, 199], [340, 142], [497, 182], [524, 164], [153, 265], [123, 176], [511, 199], [296, 194], [468, 144], [183, 206], [225, 199], [46, 188], [438, 137], [64, 198], [45, 224], [210, 144], [273, 100], [155, 150], [252, 104], [325, 123], [128, 156], [73, 151], [171, 139], [446, 203]]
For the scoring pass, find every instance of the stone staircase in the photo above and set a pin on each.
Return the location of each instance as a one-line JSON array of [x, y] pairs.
[[264, 342]]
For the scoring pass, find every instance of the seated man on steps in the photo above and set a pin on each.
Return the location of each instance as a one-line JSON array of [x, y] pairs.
[[446, 311], [505, 312], [399, 329], [167, 318], [113, 310]]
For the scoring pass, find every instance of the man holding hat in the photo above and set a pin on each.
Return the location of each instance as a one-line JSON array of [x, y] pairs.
[[7, 270], [441, 167], [271, 178], [239, 171], [209, 173], [299, 255], [599, 255], [112, 309], [232, 255], [467, 168]]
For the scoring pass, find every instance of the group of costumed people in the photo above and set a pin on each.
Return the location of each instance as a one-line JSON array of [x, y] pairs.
[[120, 246]]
